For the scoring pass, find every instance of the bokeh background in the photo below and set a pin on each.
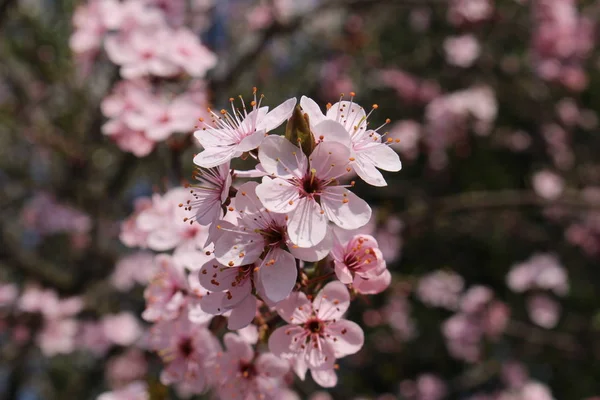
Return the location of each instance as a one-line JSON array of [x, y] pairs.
[[491, 229]]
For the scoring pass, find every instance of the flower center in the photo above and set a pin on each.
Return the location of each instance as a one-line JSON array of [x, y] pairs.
[[247, 370], [186, 347], [314, 326], [311, 184]]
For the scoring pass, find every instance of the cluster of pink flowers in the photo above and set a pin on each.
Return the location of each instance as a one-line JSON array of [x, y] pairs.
[[562, 41], [540, 274], [150, 44], [257, 252]]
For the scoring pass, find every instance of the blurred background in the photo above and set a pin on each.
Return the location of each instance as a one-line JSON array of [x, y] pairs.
[[491, 229]]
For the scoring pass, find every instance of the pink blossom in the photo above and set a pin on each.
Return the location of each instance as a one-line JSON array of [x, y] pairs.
[[409, 87], [440, 289], [541, 271], [122, 329], [189, 54], [425, 387], [230, 289], [134, 391], [126, 367], [543, 310], [8, 294], [357, 258], [242, 374], [406, 135], [316, 334], [136, 268], [46, 215], [230, 135], [469, 11], [548, 185], [57, 336], [165, 224], [299, 181], [260, 232], [131, 234], [159, 119], [170, 293], [210, 194], [185, 348], [462, 51], [91, 337], [368, 151]]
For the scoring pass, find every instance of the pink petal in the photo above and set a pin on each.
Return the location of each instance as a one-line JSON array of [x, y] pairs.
[[330, 160], [373, 285], [238, 347], [212, 303], [269, 365], [280, 157], [332, 301], [295, 309], [307, 225], [325, 378], [353, 214], [368, 173], [279, 278], [349, 335], [343, 273], [278, 195], [243, 314], [348, 114], [216, 277], [214, 156], [238, 248], [383, 157], [313, 254], [251, 142], [284, 341], [277, 116], [312, 109], [331, 131]]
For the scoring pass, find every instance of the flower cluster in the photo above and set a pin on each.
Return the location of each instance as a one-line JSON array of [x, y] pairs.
[[260, 250], [150, 44]]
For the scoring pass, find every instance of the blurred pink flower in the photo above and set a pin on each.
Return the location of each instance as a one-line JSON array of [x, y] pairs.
[[547, 184], [134, 391], [240, 373], [47, 216], [469, 11], [9, 293], [408, 133], [425, 387], [462, 51], [408, 87], [125, 368], [440, 289], [122, 329], [543, 310], [136, 268], [91, 337], [540, 271]]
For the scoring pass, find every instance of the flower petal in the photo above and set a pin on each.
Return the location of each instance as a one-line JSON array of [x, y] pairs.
[[307, 224], [349, 114], [350, 337], [285, 341], [325, 378], [238, 245], [214, 156], [243, 314], [252, 141], [310, 107], [278, 195], [368, 172], [344, 208], [331, 131], [269, 365], [278, 274], [295, 309], [330, 160], [278, 115], [314, 253], [332, 301], [373, 285], [238, 347], [278, 156], [383, 157], [343, 273]]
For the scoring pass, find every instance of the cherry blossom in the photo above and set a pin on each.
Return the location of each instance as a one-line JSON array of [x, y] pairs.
[[308, 189], [137, 390], [185, 348], [316, 334], [368, 151], [242, 374], [210, 194], [232, 134], [358, 260]]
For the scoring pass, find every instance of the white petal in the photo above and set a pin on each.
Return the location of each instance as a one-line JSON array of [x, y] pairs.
[[383, 157], [238, 247], [325, 378], [307, 224], [314, 253], [279, 157], [278, 195], [243, 314], [331, 131], [347, 115], [251, 142], [278, 278], [368, 172], [214, 156], [330, 160], [312, 109], [332, 301], [278, 115], [295, 309], [352, 214]]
